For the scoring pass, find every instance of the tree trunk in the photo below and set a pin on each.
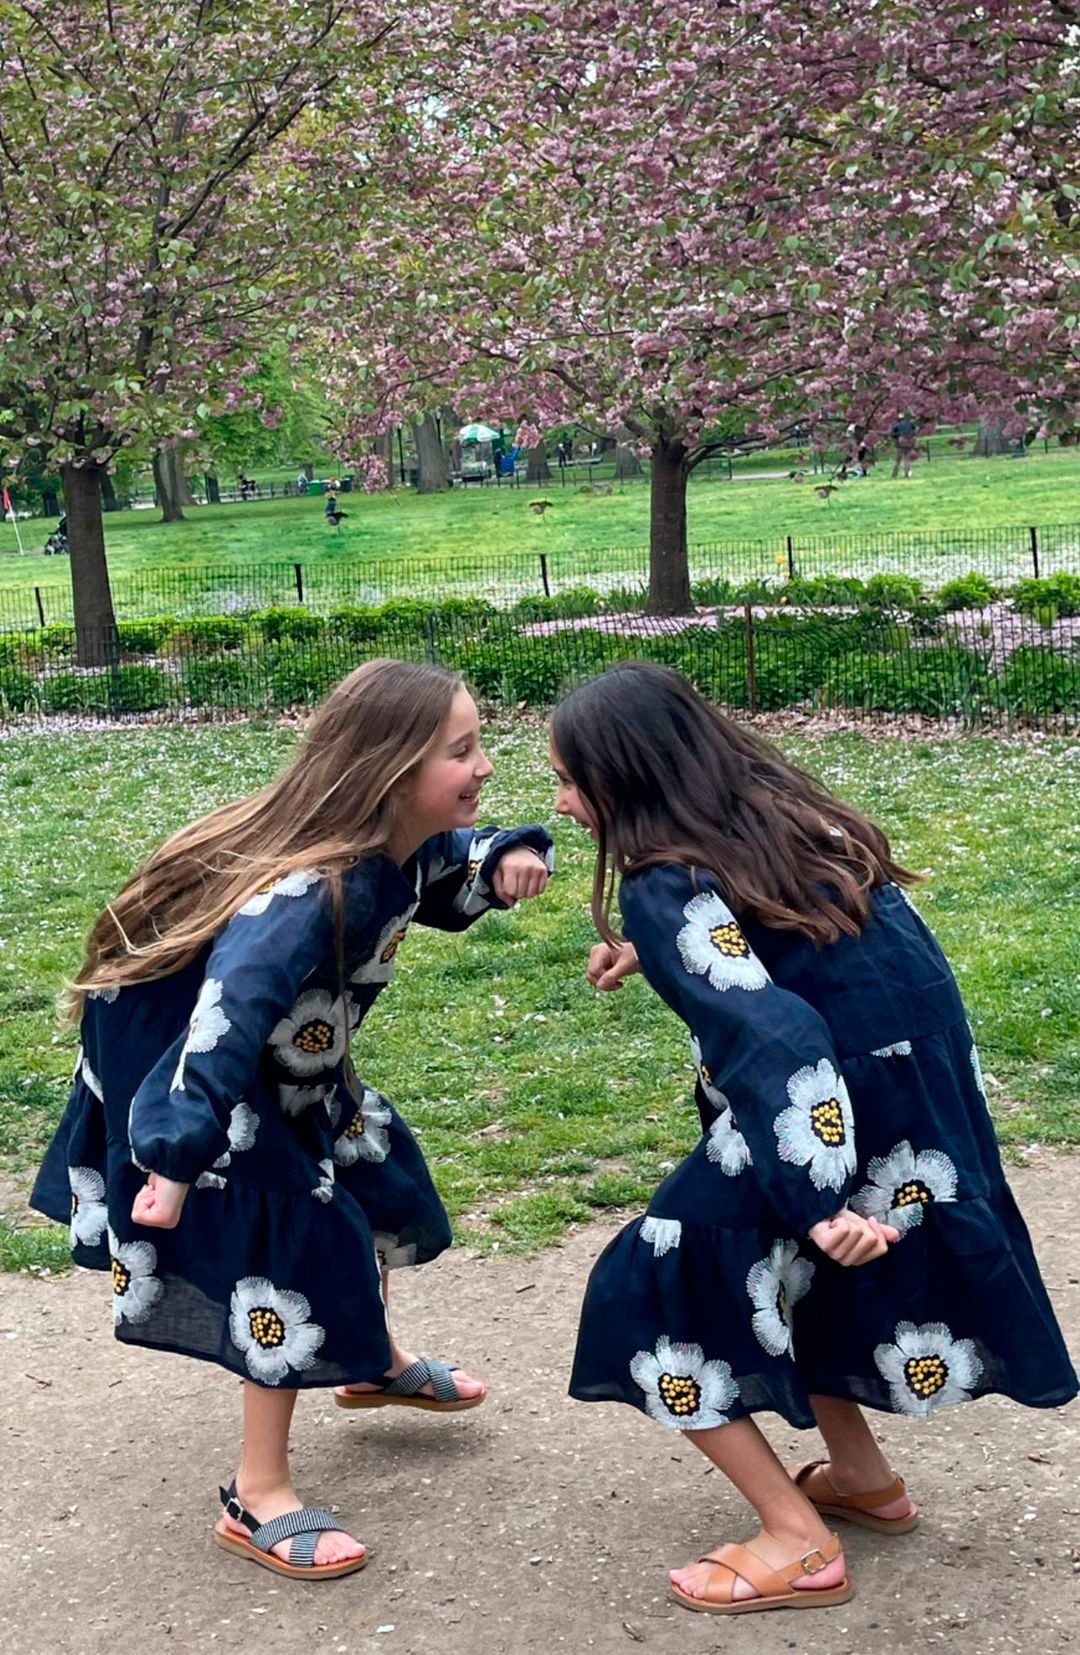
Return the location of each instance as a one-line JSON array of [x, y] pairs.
[[669, 568], [385, 446], [165, 483], [109, 502], [990, 438], [627, 463], [538, 470], [95, 622], [182, 482], [430, 459]]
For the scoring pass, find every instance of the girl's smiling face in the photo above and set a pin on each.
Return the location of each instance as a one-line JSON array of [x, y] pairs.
[[568, 800], [445, 791]]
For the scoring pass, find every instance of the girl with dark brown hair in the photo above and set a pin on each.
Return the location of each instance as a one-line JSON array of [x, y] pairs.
[[844, 1123], [214, 1104]]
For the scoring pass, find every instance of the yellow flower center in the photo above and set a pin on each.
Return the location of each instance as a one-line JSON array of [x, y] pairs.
[[781, 1303], [729, 941], [74, 1203], [925, 1375], [909, 1193], [706, 1077], [392, 947], [472, 871], [267, 1328], [355, 1128], [827, 1122], [314, 1037], [680, 1395], [121, 1278]]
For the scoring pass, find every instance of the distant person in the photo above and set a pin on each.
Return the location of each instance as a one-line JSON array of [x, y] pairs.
[[903, 436], [302, 482], [333, 516]]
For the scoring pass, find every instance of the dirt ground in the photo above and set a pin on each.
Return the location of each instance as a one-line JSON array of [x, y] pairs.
[[533, 1524]]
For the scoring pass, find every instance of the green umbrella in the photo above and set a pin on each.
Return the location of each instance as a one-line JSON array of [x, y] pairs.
[[477, 433]]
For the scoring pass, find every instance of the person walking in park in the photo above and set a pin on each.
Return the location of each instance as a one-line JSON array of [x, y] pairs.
[[844, 1125], [903, 435], [219, 1155]]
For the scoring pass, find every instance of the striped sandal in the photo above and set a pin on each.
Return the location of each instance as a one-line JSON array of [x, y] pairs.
[[773, 1586], [302, 1527], [404, 1391], [813, 1481]]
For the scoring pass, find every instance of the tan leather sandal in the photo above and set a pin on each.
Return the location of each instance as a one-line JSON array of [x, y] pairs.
[[773, 1585], [813, 1481]]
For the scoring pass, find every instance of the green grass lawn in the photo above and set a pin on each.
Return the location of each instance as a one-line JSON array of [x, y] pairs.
[[538, 1101], [476, 526]]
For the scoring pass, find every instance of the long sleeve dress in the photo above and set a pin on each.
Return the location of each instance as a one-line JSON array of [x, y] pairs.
[[832, 1076], [230, 1076]]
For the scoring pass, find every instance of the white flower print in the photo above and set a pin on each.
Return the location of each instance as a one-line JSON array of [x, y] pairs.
[[681, 1388], [726, 1147], [136, 1290], [713, 1093], [391, 1252], [312, 1038], [89, 1215], [664, 1233], [473, 895], [243, 1126], [976, 1069], [273, 1329], [208, 1024], [907, 896], [290, 884], [295, 1099], [774, 1285], [899, 1048], [106, 994], [90, 1079], [712, 945], [818, 1131], [927, 1369], [379, 967], [902, 1184], [324, 1189], [365, 1138]]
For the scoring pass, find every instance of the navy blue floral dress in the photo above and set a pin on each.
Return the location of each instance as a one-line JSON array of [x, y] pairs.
[[845, 1074], [230, 1076]]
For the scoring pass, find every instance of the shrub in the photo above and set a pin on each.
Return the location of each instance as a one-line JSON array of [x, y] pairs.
[[358, 622], [575, 603], [226, 683], [1057, 593], [66, 692], [1035, 681], [894, 591], [137, 689], [145, 637], [940, 681], [20, 649], [824, 590], [301, 677], [16, 689], [207, 635], [281, 622], [971, 591], [58, 639]]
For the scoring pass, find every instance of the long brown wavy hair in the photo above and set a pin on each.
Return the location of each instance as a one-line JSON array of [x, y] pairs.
[[335, 802], [669, 779]]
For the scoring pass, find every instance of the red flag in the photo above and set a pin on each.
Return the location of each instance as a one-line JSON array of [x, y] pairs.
[[6, 497]]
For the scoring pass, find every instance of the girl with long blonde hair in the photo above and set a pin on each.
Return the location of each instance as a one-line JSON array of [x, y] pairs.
[[214, 1104]]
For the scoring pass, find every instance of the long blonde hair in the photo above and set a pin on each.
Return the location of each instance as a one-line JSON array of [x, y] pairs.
[[334, 803]]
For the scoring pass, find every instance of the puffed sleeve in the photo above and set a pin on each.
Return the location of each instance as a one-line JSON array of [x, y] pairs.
[[766, 1050], [179, 1116], [457, 868]]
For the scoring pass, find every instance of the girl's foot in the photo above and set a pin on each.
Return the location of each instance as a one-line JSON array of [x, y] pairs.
[[848, 1483], [466, 1386], [696, 1579], [335, 1546]]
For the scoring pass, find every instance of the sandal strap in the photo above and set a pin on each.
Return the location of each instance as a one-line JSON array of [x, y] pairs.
[[817, 1472], [426, 1370], [309, 1520], [740, 1561]]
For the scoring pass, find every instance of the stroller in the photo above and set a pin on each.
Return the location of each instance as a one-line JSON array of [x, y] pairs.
[[57, 543]]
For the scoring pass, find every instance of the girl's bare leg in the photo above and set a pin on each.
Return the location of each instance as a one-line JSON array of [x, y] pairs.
[[790, 1527], [264, 1481], [856, 1463], [401, 1359]]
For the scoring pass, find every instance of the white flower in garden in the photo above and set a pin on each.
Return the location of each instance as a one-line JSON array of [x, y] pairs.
[[663, 1233], [290, 884], [136, 1290], [817, 1131], [89, 1214], [712, 945], [391, 1252], [324, 1189], [379, 966], [681, 1388], [311, 1039], [726, 1147], [902, 1184], [366, 1137], [927, 1369], [900, 1048], [272, 1328], [208, 1024], [774, 1285], [712, 1092]]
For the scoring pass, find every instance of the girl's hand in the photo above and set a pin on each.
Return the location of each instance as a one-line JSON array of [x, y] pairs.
[[519, 875], [159, 1203], [847, 1238], [608, 966]]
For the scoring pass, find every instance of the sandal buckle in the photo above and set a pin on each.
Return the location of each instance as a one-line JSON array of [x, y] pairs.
[[234, 1509], [813, 1562]]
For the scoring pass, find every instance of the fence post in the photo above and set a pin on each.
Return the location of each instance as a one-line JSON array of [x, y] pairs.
[[1034, 533], [544, 574], [751, 669], [429, 635], [790, 559], [299, 582], [40, 605]]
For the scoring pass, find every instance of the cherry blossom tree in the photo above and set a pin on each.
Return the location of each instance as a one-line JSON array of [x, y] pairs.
[[691, 221], [157, 228]]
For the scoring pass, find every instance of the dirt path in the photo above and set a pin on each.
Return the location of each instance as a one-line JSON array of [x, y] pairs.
[[534, 1524]]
